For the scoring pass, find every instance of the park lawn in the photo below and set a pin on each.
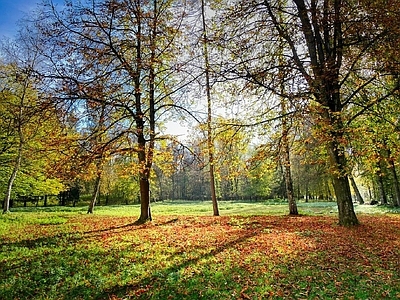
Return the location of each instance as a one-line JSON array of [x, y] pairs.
[[66, 254]]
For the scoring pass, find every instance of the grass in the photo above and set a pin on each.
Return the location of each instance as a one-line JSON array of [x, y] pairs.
[[254, 251]]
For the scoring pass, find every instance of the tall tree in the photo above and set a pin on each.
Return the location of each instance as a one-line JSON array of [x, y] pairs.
[[285, 157], [19, 99], [285, 147], [210, 142], [31, 126], [329, 42], [98, 138], [130, 47]]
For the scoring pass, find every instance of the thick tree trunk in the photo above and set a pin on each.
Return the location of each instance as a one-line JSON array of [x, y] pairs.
[[347, 216], [145, 213], [356, 190], [396, 186], [381, 186], [338, 164]]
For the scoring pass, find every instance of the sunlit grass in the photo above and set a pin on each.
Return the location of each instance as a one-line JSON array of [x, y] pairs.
[[253, 251], [198, 257], [204, 208]]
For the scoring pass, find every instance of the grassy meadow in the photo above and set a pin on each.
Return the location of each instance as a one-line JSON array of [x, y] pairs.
[[253, 251]]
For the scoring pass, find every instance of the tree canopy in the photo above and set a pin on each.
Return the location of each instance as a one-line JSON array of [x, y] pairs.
[[294, 98]]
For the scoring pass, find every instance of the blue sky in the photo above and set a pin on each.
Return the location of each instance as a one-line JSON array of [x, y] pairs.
[[13, 10], [10, 12]]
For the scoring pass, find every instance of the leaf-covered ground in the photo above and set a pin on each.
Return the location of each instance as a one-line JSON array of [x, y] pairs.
[[199, 257]]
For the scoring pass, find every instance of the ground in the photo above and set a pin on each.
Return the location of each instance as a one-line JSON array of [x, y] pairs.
[[71, 255]]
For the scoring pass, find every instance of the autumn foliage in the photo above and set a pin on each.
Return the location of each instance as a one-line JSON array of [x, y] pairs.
[[192, 257]]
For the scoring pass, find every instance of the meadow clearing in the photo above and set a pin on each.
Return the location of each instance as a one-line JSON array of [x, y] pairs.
[[252, 251]]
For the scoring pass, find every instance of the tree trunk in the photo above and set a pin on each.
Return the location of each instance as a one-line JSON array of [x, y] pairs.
[[145, 213], [356, 191], [307, 192], [95, 194], [381, 190], [381, 186], [210, 145], [6, 203], [347, 216], [285, 156], [285, 149], [144, 159], [287, 171], [289, 192], [396, 186]]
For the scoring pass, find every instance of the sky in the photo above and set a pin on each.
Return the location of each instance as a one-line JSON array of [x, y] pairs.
[[13, 10], [10, 12]]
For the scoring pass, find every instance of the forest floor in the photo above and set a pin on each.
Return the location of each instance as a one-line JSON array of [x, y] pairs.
[[62, 253]]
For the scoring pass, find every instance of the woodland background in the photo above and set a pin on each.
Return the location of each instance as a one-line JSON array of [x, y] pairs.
[[281, 99]]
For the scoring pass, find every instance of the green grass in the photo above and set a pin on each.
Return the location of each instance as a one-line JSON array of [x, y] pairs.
[[254, 251], [204, 208]]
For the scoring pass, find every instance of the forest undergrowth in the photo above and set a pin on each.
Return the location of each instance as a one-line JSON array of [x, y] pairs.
[[64, 255]]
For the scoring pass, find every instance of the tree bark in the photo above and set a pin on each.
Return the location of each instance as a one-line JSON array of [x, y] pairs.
[[396, 186], [17, 164], [287, 170], [6, 204], [96, 193], [381, 186], [347, 216], [356, 191], [145, 213]]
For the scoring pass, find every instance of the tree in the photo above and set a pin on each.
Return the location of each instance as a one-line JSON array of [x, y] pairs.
[[285, 156], [285, 147], [130, 49], [29, 126], [17, 103], [328, 43], [100, 153], [210, 144], [359, 198]]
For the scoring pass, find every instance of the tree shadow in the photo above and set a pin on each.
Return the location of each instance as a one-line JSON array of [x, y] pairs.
[[92, 265], [121, 291]]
